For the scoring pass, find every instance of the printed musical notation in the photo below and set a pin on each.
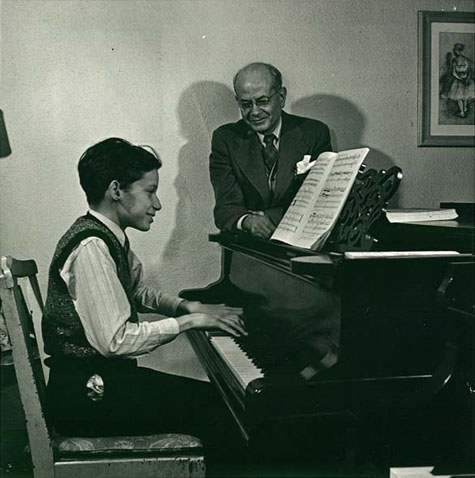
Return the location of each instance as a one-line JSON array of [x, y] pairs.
[[315, 209]]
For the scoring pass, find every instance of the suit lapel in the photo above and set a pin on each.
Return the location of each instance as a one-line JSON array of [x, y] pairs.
[[249, 158], [291, 150]]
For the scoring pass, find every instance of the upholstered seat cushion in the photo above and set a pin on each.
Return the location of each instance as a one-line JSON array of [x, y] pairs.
[[166, 444]]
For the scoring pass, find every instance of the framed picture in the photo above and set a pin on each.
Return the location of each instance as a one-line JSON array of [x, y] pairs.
[[446, 79]]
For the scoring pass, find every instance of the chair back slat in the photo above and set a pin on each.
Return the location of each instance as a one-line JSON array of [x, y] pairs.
[[22, 268], [28, 369], [36, 291], [29, 334]]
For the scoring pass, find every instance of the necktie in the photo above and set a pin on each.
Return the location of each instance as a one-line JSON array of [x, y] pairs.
[[126, 245], [270, 152]]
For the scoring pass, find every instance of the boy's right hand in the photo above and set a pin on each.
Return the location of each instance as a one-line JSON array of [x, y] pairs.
[[231, 324]]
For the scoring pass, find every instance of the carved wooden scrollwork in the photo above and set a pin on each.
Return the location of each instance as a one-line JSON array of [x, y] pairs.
[[369, 196]]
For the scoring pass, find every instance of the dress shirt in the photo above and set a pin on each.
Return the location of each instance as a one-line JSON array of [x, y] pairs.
[[276, 133], [90, 275]]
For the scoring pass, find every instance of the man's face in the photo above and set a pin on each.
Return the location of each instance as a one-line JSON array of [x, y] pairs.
[[139, 202], [260, 103]]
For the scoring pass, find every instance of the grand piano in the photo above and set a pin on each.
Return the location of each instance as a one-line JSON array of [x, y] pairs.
[[337, 339]]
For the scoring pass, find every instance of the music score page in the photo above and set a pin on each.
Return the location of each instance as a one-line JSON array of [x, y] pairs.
[[319, 201]]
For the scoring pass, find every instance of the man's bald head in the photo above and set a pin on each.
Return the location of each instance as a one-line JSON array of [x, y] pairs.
[[259, 68]]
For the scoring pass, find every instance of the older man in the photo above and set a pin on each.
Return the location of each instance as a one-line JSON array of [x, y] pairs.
[[252, 161]]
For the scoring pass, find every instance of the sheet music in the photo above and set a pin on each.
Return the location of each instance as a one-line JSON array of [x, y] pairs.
[[317, 205], [295, 218]]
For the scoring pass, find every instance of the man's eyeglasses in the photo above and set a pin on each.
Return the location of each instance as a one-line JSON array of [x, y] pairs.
[[261, 102]]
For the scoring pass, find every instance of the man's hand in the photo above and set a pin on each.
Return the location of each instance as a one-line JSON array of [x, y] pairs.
[[258, 224], [211, 316]]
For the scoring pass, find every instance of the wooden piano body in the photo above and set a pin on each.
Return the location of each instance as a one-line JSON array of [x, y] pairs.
[[333, 342]]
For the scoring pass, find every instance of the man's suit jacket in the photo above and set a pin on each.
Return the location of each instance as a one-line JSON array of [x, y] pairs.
[[238, 173]]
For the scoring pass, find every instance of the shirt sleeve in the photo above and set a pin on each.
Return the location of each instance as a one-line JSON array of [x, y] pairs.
[[229, 197], [91, 277], [150, 299]]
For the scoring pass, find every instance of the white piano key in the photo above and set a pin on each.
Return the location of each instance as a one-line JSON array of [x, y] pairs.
[[241, 366]]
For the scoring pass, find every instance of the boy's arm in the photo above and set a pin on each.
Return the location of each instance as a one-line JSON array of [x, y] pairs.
[[91, 277], [189, 314], [150, 299]]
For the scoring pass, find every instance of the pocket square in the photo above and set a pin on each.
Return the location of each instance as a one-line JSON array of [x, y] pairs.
[[304, 165]]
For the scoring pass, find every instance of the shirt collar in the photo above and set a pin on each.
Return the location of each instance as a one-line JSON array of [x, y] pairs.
[[115, 229], [276, 132]]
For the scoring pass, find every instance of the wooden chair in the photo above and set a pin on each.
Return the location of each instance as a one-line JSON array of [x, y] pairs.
[[164, 455]]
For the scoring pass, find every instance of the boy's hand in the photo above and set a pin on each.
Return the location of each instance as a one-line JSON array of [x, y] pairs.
[[231, 324], [212, 309], [211, 316]]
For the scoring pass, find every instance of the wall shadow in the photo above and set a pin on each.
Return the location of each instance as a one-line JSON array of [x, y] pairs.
[[347, 124], [202, 107]]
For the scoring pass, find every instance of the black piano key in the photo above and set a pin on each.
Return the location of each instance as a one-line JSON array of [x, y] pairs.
[[273, 357]]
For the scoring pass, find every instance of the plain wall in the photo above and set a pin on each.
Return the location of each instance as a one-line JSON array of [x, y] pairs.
[[160, 73]]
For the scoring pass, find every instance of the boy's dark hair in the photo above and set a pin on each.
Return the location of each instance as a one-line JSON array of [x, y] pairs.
[[113, 159]]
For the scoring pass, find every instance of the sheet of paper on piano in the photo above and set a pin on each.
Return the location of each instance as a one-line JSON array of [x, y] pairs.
[[420, 215], [321, 262], [316, 207], [397, 254], [422, 472]]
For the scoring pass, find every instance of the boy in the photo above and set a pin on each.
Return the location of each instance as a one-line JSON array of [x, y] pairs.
[[90, 325]]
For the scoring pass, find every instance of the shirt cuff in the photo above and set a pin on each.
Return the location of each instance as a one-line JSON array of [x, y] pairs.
[[176, 304], [240, 221], [168, 326], [168, 305]]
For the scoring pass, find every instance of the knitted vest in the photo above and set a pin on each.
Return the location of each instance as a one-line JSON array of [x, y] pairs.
[[63, 334]]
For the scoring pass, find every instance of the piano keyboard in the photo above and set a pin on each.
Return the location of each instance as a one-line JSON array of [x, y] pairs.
[[241, 366]]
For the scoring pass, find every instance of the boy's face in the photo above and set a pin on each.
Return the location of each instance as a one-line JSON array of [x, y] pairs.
[[139, 202]]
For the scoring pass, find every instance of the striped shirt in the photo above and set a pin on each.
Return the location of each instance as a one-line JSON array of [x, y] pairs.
[[91, 277]]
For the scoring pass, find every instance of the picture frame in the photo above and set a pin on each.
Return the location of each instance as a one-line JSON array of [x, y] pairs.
[[446, 96]]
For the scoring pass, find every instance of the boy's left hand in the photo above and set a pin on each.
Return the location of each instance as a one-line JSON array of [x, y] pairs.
[[220, 310]]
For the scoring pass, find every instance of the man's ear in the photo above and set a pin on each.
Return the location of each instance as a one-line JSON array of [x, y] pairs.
[[283, 96], [114, 190]]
